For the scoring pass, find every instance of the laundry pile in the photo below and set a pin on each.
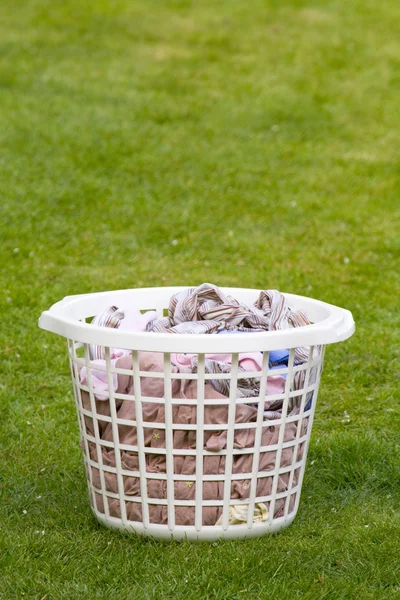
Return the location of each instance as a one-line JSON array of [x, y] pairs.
[[205, 309]]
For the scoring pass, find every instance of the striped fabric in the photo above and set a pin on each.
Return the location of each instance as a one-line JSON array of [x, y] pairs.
[[112, 317], [208, 303], [207, 310]]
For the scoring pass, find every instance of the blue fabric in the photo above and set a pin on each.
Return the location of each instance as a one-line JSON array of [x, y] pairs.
[[279, 356]]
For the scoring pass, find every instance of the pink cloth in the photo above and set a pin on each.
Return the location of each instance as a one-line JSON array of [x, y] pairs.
[[133, 320], [249, 361], [99, 378]]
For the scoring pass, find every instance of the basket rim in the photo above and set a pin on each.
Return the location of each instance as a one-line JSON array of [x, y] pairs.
[[334, 324]]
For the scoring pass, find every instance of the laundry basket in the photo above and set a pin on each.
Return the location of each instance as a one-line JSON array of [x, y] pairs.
[[248, 472]]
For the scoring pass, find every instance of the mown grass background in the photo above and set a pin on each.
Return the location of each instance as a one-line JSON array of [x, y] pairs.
[[263, 137]]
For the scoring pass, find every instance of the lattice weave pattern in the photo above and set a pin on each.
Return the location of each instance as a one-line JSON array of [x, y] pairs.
[[167, 454]]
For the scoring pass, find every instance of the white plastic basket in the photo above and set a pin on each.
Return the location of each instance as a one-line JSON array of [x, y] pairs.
[[107, 477]]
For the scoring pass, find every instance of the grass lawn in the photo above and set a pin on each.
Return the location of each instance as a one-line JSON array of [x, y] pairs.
[[255, 144]]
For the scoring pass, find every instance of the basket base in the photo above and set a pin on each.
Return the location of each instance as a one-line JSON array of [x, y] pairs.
[[207, 533]]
